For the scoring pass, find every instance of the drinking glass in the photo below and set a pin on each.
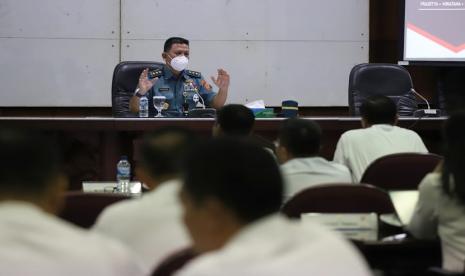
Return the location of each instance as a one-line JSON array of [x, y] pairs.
[[158, 103]]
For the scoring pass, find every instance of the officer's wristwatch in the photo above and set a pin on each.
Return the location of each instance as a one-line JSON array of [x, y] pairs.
[[137, 94]]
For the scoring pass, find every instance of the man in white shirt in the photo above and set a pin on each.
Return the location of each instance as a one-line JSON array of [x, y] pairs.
[[379, 137], [34, 241], [152, 226], [297, 149], [231, 195]]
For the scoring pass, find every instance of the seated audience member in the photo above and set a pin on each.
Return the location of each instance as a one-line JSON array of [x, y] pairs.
[[379, 137], [231, 196], [440, 210], [297, 150], [34, 241], [234, 120], [152, 226]]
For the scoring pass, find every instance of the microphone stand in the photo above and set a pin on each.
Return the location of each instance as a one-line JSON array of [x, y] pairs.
[[429, 112]]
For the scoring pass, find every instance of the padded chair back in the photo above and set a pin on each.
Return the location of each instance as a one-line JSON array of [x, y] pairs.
[[400, 171], [394, 81], [125, 79], [83, 209], [339, 198], [174, 262]]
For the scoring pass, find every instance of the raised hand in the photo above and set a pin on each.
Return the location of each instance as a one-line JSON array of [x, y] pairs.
[[222, 80], [144, 82]]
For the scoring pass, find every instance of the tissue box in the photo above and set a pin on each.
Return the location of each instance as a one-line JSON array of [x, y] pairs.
[[263, 112]]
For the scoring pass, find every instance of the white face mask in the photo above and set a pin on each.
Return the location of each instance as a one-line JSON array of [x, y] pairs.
[[179, 63]]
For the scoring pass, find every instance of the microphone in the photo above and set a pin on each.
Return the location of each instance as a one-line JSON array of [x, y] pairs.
[[201, 112], [429, 112], [203, 102]]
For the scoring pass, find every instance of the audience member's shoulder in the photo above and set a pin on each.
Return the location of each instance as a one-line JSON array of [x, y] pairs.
[[90, 241], [431, 181], [340, 167], [115, 253], [313, 238], [300, 243], [431, 192], [351, 134], [134, 209], [127, 210], [406, 130], [89, 248], [116, 210]]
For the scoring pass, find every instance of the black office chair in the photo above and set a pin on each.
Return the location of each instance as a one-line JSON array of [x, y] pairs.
[[125, 79], [394, 81], [400, 171], [339, 198]]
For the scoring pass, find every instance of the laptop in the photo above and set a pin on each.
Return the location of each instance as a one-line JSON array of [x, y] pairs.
[[355, 226], [404, 203]]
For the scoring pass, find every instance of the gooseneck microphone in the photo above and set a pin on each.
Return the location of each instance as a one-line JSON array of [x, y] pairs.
[[429, 112], [203, 112], [200, 97]]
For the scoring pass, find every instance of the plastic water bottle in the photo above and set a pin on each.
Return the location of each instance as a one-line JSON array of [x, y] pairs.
[[143, 107], [123, 174]]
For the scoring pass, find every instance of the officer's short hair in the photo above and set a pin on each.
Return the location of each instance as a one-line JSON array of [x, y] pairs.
[[241, 175], [379, 110], [174, 40], [163, 150], [300, 137], [29, 160], [235, 119]]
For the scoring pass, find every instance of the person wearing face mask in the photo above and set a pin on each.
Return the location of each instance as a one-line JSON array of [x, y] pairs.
[[184, 89]]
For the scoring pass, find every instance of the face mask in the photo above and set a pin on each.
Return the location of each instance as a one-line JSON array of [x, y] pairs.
[[179, 63]]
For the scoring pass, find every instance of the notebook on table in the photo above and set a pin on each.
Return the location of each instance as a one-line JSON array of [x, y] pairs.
[[404, 203]]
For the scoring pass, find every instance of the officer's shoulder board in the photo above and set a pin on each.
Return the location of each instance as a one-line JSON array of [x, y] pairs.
[[193, 74], [155, 73]]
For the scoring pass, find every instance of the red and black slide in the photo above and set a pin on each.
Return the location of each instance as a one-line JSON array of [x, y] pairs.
[[434, 30]]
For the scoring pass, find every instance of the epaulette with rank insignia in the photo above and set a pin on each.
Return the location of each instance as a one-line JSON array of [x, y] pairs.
[[193, 74], [155, 73]]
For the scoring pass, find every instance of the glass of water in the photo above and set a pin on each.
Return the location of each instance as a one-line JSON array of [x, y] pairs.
[[158, 103]]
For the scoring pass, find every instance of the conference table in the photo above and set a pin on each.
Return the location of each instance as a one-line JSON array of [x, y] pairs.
[[93, 145]]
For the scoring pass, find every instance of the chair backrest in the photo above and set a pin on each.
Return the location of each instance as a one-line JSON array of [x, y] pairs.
[[400, 171], [174, 262], [339, 198], [394, 81], [83, 209], [125, 79]]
